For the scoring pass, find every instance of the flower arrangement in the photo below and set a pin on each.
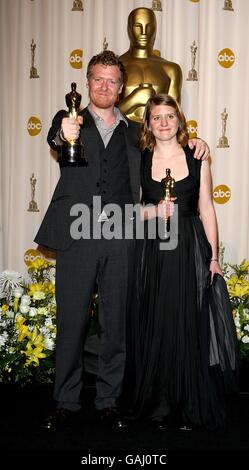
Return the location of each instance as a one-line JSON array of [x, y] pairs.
[[238, 287], [27, 324], [28, 320]]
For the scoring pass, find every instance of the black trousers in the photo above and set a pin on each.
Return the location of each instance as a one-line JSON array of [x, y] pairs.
[[107, 262]]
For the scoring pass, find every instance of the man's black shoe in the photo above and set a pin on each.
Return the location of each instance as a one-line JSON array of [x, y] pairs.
[[112, 418], [185, 427], [160, 424], [60, 419]]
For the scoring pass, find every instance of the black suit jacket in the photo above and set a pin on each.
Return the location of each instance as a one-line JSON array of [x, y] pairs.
[[79, 184]]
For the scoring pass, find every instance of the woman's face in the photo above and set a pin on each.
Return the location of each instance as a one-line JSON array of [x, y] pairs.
[[164, 122]]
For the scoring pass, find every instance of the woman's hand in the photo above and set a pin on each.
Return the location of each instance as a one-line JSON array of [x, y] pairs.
[[165, 209], [215, 268]]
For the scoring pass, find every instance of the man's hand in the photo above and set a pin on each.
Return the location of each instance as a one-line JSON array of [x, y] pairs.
[[202, 150], [71, 128]]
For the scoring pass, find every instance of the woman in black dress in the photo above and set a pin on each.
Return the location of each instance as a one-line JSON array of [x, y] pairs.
[[182, 351]]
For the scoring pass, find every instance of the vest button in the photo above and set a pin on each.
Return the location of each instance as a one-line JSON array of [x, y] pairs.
[[97, 184]]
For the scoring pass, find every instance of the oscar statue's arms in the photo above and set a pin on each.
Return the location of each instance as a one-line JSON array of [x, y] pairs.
[[137, 98], [175, 74]]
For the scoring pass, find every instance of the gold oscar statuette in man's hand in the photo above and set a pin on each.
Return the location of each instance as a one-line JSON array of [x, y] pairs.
[[167, 184], [72, 152]]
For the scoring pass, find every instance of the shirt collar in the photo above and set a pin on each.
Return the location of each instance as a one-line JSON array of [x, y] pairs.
[[119, 116]]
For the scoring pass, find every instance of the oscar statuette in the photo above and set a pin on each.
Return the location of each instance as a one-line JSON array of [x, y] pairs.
[[228, 5], [33, 206], [77, 5], [223, 140], [33, 69], [167, 184], [192, 75], [72, 152]]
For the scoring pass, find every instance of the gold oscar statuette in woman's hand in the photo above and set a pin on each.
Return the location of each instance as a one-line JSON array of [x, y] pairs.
[[167, 184], [72, 152]]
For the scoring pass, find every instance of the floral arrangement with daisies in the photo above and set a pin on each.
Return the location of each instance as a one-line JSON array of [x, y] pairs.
[[28, 320], [237, 280], [28, 324]]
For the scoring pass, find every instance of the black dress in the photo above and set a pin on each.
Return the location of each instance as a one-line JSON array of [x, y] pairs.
[[182, 351]]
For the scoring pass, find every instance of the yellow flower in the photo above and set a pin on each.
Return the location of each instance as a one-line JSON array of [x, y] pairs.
[[4, 308], [238, 287], [39, 263], [33, 354], [34, 348], [49, 287], [35, 337], [37, 287], [22, 328], [42, 311], [244, 266], [45, 287]]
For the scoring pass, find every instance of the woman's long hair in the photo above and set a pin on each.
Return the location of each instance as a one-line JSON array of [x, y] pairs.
[[146, 138]]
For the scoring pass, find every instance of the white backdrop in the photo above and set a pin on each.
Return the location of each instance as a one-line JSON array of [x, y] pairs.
[[57, 31]]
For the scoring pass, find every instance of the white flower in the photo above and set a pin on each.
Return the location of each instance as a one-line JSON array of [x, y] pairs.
[[24, 308], [245, 339], [17, 292], [33, 312], [49, 344], [25, 300], [9, 280], [3, 338], [237, 320], [246, 328], [10, 314]]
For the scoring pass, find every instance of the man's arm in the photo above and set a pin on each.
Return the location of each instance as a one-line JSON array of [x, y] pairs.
[[53, 138], [202, 151], [63, 129]]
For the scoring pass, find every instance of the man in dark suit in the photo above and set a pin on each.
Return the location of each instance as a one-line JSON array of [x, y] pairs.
[[113, 174], [110, 146]]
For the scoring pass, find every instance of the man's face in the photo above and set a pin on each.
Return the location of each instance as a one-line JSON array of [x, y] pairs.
[[104, 85], [142, 29]]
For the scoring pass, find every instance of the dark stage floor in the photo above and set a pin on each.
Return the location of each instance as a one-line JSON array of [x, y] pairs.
[[23, 409]]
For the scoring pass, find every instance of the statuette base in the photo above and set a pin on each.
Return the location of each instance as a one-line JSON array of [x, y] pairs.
[[192, 75], [223, 142]]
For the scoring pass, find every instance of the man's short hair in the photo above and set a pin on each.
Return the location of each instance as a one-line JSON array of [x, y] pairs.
[[106, 58]]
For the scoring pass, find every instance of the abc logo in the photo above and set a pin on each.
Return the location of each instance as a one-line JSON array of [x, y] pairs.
[[221, 194], [226, 58], [75, 59], [34, 126], [31, 255], [192, 127]]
